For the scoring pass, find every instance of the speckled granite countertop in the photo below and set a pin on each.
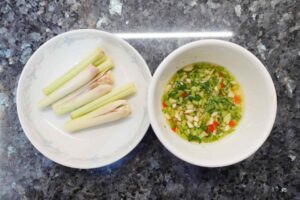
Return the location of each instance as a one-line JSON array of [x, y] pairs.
[[269, 29]]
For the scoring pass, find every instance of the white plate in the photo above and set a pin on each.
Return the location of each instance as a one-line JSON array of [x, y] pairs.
[[94, 147]]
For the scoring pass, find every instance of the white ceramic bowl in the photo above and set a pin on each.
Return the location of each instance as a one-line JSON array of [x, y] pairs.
[[93, 147], [259, 112]]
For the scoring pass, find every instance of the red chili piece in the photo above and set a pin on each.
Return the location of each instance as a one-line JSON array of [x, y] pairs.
[[231, 123], [222, 85], [210, 128], [215, 123], [236, 99], [184, 94]]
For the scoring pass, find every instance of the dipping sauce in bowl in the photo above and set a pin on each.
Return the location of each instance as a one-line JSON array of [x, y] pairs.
[[224, 113], [202, 102]]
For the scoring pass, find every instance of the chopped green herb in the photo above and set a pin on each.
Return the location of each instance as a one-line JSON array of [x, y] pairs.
[[203, 104]]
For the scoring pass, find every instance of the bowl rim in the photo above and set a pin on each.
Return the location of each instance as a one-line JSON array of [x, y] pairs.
[[19, 99], [156, 77]]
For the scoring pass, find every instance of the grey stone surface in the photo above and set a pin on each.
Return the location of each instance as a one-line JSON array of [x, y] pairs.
[[269, 29]]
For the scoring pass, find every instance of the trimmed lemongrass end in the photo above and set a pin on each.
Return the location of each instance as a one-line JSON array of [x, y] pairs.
[[83, 122], [97, 54], [83, 99], [81, 79], [106, 65], [115, 94], [106, 79], [100, 60]]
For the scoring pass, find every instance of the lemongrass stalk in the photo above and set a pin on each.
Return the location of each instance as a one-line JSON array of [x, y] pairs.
[[83, 99], [101, 79], [70, 97], [81, 79], [106, 108], [100, 60], [116, 94], [82, 122], [96, 55], [106, 65]]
